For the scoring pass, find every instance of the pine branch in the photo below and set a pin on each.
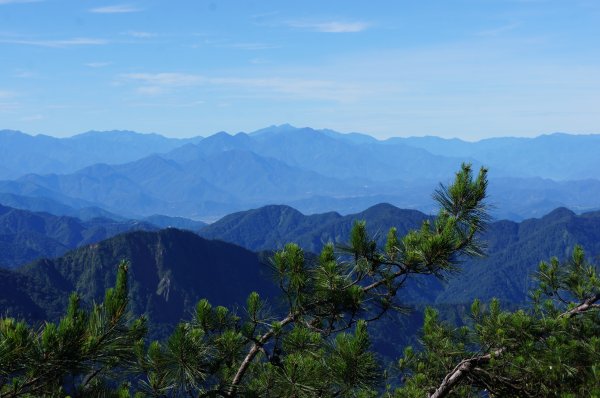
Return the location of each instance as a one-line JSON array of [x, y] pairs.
[[255, 349], [466, 366], [463, 369], [586, 305]]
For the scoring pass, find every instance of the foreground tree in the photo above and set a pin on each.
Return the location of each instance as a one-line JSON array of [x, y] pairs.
[[87, 353], [319, 347], [315, 343], [549, 350]]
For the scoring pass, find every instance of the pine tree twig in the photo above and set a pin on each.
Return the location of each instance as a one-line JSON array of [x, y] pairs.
[[586, 305], [251, 354], [461, 371], [466, 366]]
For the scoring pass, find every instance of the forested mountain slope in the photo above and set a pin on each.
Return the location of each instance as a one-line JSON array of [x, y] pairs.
[[26, 236], [170, 271], [513, 249]]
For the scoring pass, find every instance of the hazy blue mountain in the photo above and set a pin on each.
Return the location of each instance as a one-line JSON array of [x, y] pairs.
[[21, 153], [41, 204], [514, 249], [170, 271], [271, 227], [357, 138], [520, 198], [332, 154], [175, 222], [318, 171], [26, 236], [208, 185], [557, 156]]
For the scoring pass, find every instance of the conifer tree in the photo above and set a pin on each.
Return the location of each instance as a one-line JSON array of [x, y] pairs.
[[319, 347], [87, 353], [315, 342], [551, 349]]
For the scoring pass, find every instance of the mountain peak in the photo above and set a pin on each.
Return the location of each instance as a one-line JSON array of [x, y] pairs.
[[559, 213], [275, 129]]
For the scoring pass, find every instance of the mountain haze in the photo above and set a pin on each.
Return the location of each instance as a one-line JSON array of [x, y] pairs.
[[22, 153], [312, 170], [514, 249], [26, 236]]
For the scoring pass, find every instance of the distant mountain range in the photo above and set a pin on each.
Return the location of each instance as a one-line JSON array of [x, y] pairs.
[[514, 249], [26, 236], [171, 269], [271, 227], [22, 154], [135, 175]]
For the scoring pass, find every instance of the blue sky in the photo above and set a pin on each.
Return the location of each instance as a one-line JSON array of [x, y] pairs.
[[467, 69]]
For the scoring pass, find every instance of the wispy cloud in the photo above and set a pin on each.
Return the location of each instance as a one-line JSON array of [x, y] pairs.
[[7, 94], [166, 79], [297, 88], [25, 74], [140, 34], [97, 64], [252, 46], [115, 9], [32, 118], [61, 43], [153, 84], [8, 106], [330, 26], [7, 103], [222, 42], [2, 2], [190, 104]]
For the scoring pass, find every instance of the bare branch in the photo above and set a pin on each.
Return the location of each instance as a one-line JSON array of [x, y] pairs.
[[256, 347], [466, 366], [586, 305], [461, 371]]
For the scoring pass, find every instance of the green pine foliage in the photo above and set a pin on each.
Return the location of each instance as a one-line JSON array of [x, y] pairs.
[[550, 349], [85, 353], [315, 341]]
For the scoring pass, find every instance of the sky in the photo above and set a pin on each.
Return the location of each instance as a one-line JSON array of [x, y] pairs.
[[452, 68]]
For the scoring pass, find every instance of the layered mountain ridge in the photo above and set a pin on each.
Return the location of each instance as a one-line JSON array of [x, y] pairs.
[[312, 170]]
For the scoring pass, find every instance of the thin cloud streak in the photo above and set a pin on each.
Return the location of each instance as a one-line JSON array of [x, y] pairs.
[[32, 118], [3, 2], [330, 26], [115, 9], [295, 88], [78, 41], [97, 64], [140, 35], [167, 79], [6, 94], [252, 46]]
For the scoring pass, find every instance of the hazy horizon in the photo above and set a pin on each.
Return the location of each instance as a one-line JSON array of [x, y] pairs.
[[68, 135], [463, 69]]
